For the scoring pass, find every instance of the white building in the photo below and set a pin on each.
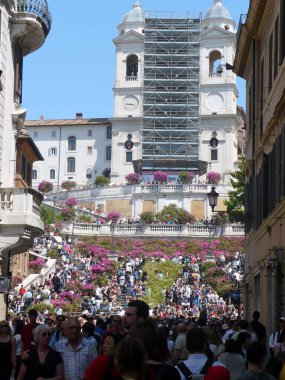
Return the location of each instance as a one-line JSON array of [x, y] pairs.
[[24, 27], [186, 118], [77, 150]]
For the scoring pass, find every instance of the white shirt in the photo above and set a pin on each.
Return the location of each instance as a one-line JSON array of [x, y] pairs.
[[195, 363]]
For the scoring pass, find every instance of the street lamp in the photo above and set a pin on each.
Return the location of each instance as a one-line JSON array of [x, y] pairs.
[[112, 237], [213, 198]]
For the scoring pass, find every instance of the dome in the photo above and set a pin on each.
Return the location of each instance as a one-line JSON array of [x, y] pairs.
[[218, 10], [136, 14]]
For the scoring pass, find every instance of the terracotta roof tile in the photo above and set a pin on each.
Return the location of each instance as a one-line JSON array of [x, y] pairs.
[[57, 122]]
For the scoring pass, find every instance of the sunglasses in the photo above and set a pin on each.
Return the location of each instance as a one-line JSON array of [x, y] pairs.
[[46, 334]]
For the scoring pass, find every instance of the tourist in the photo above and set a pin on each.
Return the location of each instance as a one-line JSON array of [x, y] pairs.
[[197, 362], [57, 334], [137, 311], [28, 330], [258, 327], [76, 352], [19, 324], [180, 352], [232, 359], [42, 362], [256, 354], [7, 351]]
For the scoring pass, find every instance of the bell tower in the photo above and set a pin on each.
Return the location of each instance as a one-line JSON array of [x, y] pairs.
[[128, 92], [220, 124]]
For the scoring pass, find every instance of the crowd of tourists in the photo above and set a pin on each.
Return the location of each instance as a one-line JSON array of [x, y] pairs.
[[139, 347], [113, 334]]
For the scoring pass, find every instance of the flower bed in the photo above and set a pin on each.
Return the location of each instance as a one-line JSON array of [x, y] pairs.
[[68, 185], [214, 178], [133, 178], [160, 177]]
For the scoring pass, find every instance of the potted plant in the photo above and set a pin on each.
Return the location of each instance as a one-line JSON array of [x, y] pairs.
[[160, 177], [68, 185], [114, 216], [133, 178], [71, 202], [186, 177], [102, 181], [214, 178], [45, 187], [36, 266]]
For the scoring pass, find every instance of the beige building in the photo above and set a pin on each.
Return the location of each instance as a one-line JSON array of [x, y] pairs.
[[260, 59]]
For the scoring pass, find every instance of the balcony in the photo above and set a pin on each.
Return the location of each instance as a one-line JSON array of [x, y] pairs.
[[30, 24], [20, 218]]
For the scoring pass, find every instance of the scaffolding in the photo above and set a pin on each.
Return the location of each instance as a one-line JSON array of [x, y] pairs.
[[171, 101]]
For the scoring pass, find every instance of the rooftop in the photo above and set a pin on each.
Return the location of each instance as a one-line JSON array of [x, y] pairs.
[[66, 122]]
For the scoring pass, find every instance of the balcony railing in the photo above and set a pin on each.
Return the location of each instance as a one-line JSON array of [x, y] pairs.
[[131, 78], [38, 8]]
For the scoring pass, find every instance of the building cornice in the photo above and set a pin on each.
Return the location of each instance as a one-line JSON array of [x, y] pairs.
[[246, 33]]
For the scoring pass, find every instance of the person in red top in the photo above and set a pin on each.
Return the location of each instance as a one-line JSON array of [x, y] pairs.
[[28, 329], [22, 291]]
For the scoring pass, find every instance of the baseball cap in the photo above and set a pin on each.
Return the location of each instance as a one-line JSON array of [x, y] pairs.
[[282, 319]]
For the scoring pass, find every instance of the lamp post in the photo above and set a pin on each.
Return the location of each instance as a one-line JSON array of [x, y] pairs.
[[112, 225], [213, 198]]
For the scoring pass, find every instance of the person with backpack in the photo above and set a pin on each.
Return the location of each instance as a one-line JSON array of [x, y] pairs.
[[197, 364]]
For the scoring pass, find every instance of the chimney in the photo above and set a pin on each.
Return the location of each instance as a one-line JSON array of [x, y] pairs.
[[79, 115], [42, 120]]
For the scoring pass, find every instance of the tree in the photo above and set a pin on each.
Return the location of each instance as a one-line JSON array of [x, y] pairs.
[[235, 203]]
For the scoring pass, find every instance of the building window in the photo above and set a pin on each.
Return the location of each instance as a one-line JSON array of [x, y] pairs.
[[52, 174], [89, 150], [88, 173], [214, 154], [52, 152], [215, 63], [71, 165], [71, 143], [132, 66], [53, 134], [89, 132], [109, 132], [34, 174], [129, 156], [35, 135], [108, 153]]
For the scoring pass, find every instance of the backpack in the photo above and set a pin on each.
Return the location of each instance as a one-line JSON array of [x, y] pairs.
[[197, 376]]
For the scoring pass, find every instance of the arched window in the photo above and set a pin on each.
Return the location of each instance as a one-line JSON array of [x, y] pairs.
[[34, 174], [71, 165], [215, 63], [52, 174], [88, 173], [71, 143], [132, 66], [108, 153]]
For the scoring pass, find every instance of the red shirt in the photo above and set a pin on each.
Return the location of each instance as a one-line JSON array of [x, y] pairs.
[[28, 337]]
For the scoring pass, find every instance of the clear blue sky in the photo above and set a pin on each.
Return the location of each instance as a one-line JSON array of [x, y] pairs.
[[74, 70]]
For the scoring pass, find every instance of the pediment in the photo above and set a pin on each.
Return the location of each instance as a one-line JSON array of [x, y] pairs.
[[216, 31], [130, 36]]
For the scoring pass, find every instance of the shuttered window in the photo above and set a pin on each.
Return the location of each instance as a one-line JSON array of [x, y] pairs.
[[18, 62]]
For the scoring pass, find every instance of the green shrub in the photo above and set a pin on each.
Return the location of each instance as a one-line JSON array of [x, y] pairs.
[[102, 181]]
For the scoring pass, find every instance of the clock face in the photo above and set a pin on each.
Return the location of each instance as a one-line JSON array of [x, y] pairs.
[[130, 103]]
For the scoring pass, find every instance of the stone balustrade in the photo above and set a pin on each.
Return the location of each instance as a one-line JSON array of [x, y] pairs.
[[152, 230]]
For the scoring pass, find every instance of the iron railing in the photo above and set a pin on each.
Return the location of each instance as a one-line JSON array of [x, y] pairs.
[[38, 8]]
